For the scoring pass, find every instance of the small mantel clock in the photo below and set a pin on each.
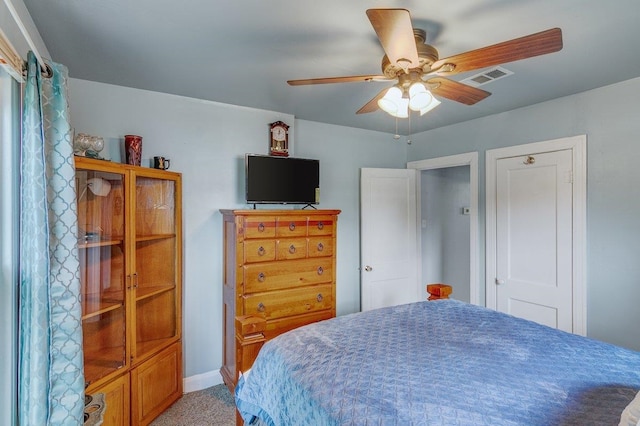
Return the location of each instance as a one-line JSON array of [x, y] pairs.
[[279, 136]]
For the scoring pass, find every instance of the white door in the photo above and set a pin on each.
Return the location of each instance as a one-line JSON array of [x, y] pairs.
[[534, 237], [388, 238]]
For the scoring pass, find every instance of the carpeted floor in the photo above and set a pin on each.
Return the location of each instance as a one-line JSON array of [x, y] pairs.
[[211, 406]]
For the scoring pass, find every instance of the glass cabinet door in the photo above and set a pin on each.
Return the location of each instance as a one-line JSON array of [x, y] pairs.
[[101, 249], [155, 274]]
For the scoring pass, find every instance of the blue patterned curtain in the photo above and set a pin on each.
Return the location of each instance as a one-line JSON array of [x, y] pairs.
[[51, 390]]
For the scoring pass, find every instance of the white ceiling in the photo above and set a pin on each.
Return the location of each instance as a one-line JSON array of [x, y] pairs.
[[242, 52]]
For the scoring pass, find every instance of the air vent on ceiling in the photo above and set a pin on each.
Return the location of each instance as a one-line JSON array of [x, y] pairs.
[[487, 76]]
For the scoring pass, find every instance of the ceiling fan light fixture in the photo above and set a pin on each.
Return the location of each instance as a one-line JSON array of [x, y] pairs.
[[390, 102], [403, 108], [419, 96], [434, 103]]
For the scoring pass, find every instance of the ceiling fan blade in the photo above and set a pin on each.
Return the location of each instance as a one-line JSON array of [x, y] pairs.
[[541, 43], [394, 29], [372, 105], [456, 91], [328, 80]]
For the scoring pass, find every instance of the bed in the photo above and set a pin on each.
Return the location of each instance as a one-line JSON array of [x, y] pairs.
[[442, 362]]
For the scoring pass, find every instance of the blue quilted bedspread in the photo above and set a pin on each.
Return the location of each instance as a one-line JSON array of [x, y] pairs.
[[437, 363]]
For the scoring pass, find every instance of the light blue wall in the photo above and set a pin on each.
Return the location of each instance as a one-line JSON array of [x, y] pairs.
[[206, 142], [610, 117]]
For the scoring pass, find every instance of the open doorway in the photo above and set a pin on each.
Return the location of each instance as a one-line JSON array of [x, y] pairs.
[[448, 223], [444, 228]]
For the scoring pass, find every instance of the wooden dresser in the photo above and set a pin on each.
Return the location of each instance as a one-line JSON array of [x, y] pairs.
[[279, 274]]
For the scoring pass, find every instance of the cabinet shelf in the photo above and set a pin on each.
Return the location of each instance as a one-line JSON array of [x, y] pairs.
[[94, 308], [102, 243], [146, 292], [105, 361], [142, 238], [148, 346]]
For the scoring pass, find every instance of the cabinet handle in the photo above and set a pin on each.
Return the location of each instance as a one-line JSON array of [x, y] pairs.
[[292, 226], [320, 225], [261, 227], [292, 249], [135, 280], [320, 247], [261, 277], [128, 279], [261, 307], [261, 251], [320, 270], [319, 297]]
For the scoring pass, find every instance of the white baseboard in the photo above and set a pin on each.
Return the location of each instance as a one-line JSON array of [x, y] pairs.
[[201, 381]]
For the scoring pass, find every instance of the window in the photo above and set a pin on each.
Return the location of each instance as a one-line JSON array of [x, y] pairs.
[[9, 248]]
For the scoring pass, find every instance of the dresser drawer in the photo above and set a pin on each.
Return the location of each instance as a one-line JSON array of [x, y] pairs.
[[259, 251], [291, 248], [294, 226], [259, 227], [320, 246], [321, 225], [290, 302], [293, 273]]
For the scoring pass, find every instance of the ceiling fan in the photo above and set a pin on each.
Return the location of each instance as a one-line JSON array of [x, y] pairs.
[[418, 72]]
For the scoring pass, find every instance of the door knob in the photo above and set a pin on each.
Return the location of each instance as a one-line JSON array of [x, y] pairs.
[[368, 268], [499, 281]]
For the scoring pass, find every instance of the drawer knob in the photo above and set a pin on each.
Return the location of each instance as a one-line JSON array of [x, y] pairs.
[[261, 227], [320, 270], [261, 251], [261, 307], [320, 225], [261, 277], [292, 249], [320, 246], [319, 297], [292, 226]]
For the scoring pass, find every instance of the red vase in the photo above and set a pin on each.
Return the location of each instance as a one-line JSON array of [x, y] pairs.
[[133, 149]]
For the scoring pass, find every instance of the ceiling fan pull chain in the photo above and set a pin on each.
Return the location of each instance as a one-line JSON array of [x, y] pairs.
[[396, 136]]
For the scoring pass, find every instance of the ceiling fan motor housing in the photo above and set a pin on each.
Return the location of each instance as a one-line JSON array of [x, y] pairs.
[[427, 55]]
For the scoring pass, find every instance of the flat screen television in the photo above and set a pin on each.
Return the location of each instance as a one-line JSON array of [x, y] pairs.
[[282, 180]]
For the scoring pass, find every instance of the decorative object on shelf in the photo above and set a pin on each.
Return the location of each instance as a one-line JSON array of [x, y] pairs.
[[85, 145], [101, 188], [161, 163], [133, 149], [279, 137], [97, 186]]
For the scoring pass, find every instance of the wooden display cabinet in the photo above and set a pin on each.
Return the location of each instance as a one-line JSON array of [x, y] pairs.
[[130, 251]]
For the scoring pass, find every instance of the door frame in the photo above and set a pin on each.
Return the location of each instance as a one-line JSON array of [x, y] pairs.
[[578, 146], [466, 159]]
